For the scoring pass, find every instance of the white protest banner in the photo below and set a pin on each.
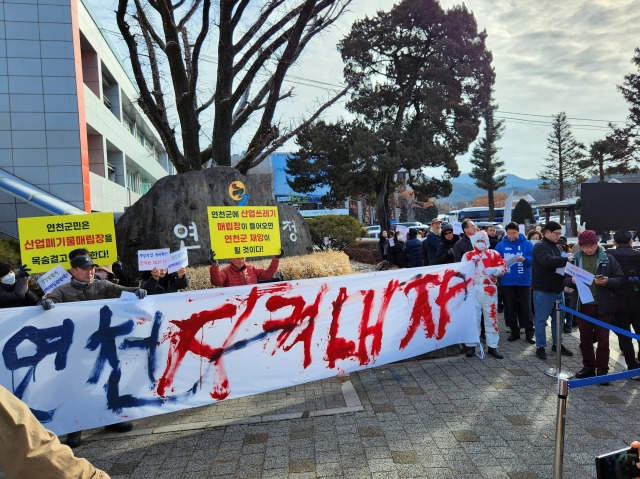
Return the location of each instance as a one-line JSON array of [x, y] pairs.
[[404, 230], [178, 259], [53, 278], [101, 362], [579, 274], [153, 258], [457, 228]]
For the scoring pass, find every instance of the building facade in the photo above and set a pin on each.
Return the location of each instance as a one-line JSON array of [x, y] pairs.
[[70, 129]]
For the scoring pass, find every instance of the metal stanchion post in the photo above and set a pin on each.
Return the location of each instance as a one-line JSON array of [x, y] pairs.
[[563, 389], [557, 372]]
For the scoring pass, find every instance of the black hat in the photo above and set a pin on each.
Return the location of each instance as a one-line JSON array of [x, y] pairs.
[[4, 269], [562, 240], [447, 227], [83, 262]]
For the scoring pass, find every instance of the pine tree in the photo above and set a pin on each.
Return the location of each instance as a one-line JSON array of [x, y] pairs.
[[608, 157], [562, 171], [523, 212], [488, 168]]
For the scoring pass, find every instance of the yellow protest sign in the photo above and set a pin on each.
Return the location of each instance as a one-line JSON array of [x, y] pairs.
[[46, 241], [244, 231]]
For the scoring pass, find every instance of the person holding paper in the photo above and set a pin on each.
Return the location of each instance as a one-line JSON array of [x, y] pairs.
[[161, 281], [489, 266], [84, 287], [517, 251], [608, 277], [239, 272], [548, 286], [14, 288]]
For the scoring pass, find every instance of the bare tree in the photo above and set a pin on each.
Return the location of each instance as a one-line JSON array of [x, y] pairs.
[[256, 47]]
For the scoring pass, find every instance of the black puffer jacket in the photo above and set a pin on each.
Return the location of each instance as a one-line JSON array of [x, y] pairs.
[[629, 260], [445, 250], [412, 253], [17, 294], [169, 284]]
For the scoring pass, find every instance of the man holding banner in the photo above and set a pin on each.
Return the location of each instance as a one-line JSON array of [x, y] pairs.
[[239, 272], [83, 287]]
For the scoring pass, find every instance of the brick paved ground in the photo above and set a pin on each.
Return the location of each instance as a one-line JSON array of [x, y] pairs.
[[451, 418]]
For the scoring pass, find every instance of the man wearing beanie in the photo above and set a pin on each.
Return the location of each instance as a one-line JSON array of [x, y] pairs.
[[608, 277], [547, 286]]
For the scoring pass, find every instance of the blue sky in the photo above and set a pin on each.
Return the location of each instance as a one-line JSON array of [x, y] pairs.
[[549, 56]]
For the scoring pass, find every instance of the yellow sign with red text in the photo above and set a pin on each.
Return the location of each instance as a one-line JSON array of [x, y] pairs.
[[46, 241], [244, 231]]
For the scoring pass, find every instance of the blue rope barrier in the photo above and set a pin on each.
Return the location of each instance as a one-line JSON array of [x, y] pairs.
[[602, 324], [579, 383]]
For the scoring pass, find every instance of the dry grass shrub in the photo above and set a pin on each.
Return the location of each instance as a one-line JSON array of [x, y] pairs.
[[316, 265], [364, 251]]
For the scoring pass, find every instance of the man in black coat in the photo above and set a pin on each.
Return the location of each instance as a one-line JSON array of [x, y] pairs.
[[469, 228], [628, 295], [548, 286]]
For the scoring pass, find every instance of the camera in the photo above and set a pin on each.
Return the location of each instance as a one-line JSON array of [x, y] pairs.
[[620, 464]]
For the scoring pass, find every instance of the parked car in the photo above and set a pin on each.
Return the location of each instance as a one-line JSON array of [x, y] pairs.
[[374, 231]]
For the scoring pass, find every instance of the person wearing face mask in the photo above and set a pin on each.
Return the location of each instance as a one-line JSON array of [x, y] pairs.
[[398, 247], [14, 287], [489, 266]]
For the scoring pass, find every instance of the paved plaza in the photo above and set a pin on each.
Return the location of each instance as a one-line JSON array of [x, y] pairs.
[[447, 418]]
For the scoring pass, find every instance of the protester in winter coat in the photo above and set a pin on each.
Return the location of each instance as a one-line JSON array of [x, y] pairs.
[[14, 288], [391, 251], [398, 247], [412, 250], [608, 278], [239, 272], [516, 283], [383, 244], [628, 295], [447, 242], [431, 243], [469, 228], [161, 282]]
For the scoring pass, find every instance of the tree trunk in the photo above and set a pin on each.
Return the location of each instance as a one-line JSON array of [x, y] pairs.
[[382, 203], [491, 202]]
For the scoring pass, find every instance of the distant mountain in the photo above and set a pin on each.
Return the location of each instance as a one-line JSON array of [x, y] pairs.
[[464, 188]]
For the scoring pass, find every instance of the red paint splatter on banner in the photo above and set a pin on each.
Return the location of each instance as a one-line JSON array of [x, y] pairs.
[[422, 312], [342, 348], [295, 320], [184, 340]]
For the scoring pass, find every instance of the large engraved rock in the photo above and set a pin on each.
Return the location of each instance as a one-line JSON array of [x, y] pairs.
[[173, 213]]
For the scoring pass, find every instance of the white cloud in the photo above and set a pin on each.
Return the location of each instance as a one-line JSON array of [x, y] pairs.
[[549, 56]]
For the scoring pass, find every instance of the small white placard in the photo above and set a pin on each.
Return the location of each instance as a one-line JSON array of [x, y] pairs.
[[579, 274], [178, 259], [457, 228], [53, 278], [153, 258]]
